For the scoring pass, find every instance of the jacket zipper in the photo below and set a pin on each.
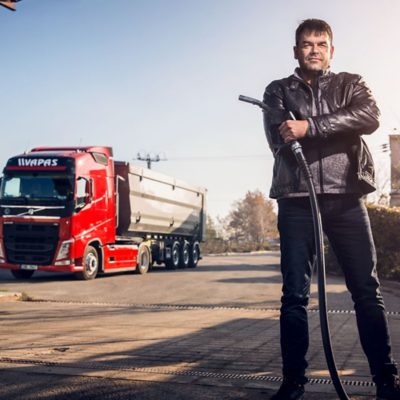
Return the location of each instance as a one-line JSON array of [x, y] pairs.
[[317, 101], [315, 111]]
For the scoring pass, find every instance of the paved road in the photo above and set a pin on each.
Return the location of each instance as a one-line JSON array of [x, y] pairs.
[[207, 333], [241, 281]]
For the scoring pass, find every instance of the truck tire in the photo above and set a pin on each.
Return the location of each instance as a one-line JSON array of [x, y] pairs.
[[194, 255], [143, 260], [184, 256], [90, 264], [173, 262], [22, 274]]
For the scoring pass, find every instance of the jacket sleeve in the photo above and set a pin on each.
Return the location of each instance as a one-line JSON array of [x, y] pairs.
[[359, 115], [273, 97]]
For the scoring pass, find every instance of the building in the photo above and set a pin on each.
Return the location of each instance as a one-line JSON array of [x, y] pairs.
[[395, 170]]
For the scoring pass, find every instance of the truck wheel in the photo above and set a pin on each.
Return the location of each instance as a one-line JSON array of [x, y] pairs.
[[184, 255], [143, 260], [194, 255], [173, 262], [22, 274], [90, 264]]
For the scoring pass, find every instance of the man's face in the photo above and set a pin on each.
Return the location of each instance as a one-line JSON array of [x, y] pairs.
[[314, 52]]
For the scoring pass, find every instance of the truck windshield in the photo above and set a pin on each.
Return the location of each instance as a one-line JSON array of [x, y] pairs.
[[34, 186]]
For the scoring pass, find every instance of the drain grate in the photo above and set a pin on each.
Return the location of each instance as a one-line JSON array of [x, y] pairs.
[[191, 373], [190, 306]]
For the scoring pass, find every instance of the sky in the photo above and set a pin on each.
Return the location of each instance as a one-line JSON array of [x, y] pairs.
[[162, 77]]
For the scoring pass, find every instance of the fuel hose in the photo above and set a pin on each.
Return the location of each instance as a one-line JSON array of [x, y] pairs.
[[297, 151]]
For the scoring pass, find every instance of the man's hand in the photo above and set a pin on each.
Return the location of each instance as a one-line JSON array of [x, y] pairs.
[[291, 130]]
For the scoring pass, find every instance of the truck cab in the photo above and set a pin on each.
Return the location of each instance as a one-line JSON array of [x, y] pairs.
[[54, 204]]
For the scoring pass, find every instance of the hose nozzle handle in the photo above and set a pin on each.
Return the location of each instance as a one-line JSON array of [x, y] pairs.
[[253, 101]]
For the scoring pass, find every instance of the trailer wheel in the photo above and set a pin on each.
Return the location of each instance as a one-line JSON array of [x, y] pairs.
[[22, 274], [143, 260], [184, 256], [194, 255], [173, 262], [90, 264]]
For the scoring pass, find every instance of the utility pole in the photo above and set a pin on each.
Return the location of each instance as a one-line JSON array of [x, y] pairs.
[[394, 170], [149, 158]]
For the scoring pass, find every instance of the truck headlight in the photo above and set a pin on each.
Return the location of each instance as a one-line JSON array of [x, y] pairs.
[[64, 253]]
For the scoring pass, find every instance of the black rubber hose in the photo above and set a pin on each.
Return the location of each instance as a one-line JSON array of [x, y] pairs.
[[319, 250]]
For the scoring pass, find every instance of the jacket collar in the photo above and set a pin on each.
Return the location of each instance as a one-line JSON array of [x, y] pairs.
[[296, 77]]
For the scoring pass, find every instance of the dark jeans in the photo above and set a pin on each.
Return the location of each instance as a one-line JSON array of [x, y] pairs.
[[346, 224]]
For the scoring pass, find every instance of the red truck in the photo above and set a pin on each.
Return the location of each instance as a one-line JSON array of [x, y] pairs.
[[75, 209]]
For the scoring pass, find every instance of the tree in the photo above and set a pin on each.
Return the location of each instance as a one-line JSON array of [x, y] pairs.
[[382, 177], [214, 243], [211, 230], [253, 219]]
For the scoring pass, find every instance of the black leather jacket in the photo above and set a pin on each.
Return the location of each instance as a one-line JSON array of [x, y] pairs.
[[339, 110]]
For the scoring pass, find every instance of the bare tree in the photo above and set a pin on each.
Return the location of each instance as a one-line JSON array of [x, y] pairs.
[[382, 176], [253, 219]]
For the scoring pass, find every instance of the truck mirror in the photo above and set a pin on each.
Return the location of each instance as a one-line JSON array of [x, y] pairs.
[[88, 191], [83, 193]]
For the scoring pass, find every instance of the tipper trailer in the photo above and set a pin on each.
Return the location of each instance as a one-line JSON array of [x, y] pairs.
[[75, 209]]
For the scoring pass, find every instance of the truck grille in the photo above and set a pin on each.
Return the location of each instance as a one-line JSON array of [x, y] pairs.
[[30, 243]]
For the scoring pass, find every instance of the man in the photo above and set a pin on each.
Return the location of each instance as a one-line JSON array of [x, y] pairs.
[[332, 112]]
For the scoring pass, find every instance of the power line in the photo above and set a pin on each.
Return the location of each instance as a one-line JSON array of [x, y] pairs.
[[219, 157]]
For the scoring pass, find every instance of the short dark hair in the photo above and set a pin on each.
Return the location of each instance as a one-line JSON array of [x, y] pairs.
[[313, 25]]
